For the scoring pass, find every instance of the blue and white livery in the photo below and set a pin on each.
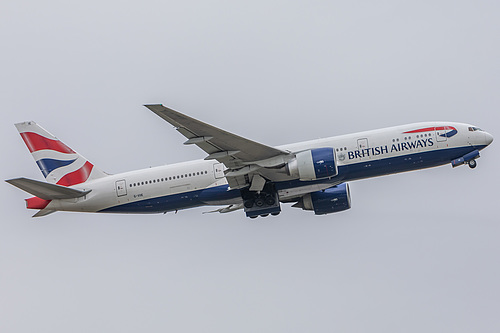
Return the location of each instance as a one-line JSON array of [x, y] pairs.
[[241, 174]]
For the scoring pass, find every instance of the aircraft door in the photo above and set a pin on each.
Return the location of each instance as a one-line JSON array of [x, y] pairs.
[[362, 146], [121, 188], [218, 170]]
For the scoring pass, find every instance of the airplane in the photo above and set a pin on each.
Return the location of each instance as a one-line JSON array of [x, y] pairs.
[[241, 174]]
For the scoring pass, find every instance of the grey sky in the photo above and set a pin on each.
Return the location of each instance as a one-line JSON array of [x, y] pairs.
[[417, 251]]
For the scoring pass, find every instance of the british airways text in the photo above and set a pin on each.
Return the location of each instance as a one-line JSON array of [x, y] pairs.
[[375, 151]]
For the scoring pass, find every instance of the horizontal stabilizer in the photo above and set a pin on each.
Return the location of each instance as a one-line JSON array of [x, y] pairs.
[[46, 191], [44, 212]]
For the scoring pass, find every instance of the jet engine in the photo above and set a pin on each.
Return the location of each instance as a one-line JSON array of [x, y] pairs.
[[332, 200], [313, 164]]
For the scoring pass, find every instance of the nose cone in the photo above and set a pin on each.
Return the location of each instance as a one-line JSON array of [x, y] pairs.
[[488, 138]]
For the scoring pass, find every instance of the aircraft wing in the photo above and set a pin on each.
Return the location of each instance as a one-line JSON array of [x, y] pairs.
[[241, 156]]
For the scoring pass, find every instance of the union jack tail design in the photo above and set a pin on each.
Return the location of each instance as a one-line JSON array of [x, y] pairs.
[[59, 164]]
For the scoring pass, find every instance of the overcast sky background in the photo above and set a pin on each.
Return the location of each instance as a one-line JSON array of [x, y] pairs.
[[418, 252]]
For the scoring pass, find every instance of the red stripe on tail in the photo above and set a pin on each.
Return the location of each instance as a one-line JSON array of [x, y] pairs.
[[77, 177], [36, 142]]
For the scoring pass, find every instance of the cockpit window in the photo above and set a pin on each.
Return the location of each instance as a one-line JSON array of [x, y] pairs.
[[473, 129]]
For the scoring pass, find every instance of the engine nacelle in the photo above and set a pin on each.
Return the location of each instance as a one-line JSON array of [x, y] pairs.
[[331, 200], [313, 164]]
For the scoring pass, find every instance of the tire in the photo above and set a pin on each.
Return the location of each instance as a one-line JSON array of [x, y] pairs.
[[472, 164], [270, 200], [259, 202], [248, 204]]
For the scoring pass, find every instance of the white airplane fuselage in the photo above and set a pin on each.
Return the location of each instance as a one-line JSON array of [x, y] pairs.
[[202, 182]]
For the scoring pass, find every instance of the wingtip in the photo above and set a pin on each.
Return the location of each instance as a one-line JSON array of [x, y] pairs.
[[155, 107]]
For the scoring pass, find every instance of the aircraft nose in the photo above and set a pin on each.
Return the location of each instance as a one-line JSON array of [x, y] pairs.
[[488, 138]]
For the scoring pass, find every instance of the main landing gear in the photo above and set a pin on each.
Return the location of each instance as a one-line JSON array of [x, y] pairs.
[[472, 164], [261, 203]]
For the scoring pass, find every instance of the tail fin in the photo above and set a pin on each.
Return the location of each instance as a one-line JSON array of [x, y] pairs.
[[59, 164]]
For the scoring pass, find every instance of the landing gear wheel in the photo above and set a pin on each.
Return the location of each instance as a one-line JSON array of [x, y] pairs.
[[472, 164], [261, 203], [270, 200]]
